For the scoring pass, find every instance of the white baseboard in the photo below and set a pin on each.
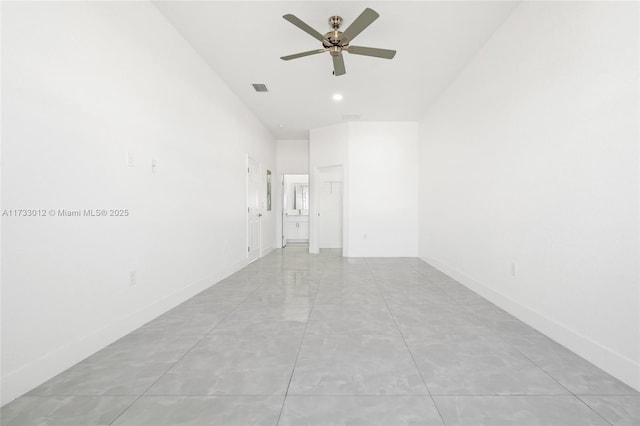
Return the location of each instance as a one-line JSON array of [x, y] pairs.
[[617, 365], [34, 373], [265, 251], [330, 245]]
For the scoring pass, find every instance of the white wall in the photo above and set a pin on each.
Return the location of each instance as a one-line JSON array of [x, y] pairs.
[[383, 189], [380, 190], [531, 157], [83, 83], [292, 157]]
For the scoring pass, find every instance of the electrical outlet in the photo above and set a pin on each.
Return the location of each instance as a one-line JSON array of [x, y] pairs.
[[130, 162], [514, 269], [132, 278], [154, 165], [365, 236]]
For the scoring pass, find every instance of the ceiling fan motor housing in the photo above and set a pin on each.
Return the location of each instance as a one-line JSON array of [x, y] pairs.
[[335, 37]]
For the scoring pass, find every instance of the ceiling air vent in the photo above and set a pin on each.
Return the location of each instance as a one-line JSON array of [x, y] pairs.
[[260, 87]]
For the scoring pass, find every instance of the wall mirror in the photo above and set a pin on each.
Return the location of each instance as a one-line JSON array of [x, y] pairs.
[[296, 194], [268, 190], [301, 196]]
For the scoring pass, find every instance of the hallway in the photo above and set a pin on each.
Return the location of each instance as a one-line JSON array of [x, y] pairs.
[[299, 339]]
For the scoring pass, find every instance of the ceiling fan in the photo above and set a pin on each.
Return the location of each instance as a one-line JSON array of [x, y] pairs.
[[335, 42]]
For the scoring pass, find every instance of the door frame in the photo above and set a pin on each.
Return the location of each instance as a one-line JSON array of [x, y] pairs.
[[258, 251], [314, 181], [283, 241]]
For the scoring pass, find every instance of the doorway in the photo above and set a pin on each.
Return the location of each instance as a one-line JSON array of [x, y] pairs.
[[295, 209], [254, 217], [330, 209]]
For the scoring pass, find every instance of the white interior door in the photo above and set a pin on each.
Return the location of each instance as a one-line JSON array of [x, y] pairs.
[[330, 214], [254, 217]]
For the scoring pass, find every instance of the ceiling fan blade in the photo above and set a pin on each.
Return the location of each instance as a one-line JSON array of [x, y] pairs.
[[363, 21], [304, 27], [371, 51], [338, 65], [302, 54]]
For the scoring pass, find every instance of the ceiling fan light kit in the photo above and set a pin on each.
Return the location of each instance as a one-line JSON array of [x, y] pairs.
[[335, 42]]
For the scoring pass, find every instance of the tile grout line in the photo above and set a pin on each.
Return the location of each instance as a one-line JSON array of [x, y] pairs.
[[466, 308], [156, 381], [501, 338], [328, 395], [173, 365], [563, 386], [229, 314], [592, 409], [378, 277], [451, 301], [408, 349], [295, 363]]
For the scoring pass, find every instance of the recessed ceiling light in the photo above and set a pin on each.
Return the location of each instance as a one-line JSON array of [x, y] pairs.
[[337, 97], [281, 126]]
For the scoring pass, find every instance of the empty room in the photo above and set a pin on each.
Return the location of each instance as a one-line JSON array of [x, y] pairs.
[[320, 213]]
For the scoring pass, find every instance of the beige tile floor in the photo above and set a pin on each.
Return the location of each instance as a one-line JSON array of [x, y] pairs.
[[297, 339]]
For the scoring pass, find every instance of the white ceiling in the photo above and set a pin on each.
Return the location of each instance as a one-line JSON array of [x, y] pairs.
[[243, 42]]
